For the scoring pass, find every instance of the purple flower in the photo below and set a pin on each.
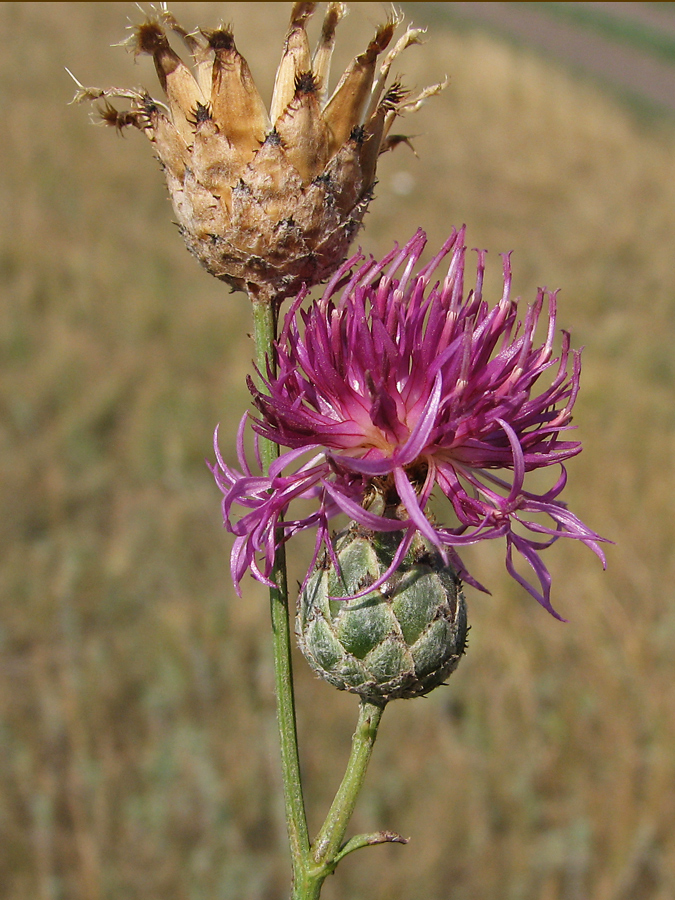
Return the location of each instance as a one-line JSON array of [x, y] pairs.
[[400, 384]]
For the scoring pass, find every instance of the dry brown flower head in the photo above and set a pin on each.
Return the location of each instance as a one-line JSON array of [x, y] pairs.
[[266, 200]]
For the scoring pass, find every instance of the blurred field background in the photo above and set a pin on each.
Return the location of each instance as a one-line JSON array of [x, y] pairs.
[[137, 735]]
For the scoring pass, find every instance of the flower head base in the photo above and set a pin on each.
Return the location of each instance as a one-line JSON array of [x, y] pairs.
[[397, 386], [267, 201]]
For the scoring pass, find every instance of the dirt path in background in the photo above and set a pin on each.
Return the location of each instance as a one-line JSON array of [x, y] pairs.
[[634, 71], [651, 15]]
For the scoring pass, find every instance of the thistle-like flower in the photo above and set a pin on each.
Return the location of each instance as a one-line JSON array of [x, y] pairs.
[[391, 387], [266, 201]]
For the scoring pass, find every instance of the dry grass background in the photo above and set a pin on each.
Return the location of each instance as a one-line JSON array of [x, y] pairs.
[[137, 733]]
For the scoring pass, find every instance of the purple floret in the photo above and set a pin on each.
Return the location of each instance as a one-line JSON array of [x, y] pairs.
[[396, 381]]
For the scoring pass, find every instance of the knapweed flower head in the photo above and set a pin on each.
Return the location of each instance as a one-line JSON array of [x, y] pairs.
[[266, 200], [395, 386]]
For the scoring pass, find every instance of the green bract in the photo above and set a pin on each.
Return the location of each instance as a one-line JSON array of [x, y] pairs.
[[401, 640]]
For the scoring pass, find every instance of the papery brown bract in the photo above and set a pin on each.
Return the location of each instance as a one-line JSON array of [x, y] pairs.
[[266, 201]]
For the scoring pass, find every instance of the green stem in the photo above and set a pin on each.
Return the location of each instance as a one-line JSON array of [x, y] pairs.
[[311, 865], [328, 843], [328, 849], [264, 319]]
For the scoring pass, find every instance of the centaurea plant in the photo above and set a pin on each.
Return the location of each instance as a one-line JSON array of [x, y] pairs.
[[396, 387]]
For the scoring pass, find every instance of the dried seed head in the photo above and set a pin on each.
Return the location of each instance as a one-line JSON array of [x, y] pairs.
[[266, 202]]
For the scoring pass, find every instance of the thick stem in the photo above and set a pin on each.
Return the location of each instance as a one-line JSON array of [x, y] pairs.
[[264, 319]]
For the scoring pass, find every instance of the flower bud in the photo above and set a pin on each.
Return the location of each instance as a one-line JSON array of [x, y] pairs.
[[266, 201], [402, 639]]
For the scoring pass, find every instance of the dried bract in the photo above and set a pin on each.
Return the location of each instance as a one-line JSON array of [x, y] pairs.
[[266, 201]]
